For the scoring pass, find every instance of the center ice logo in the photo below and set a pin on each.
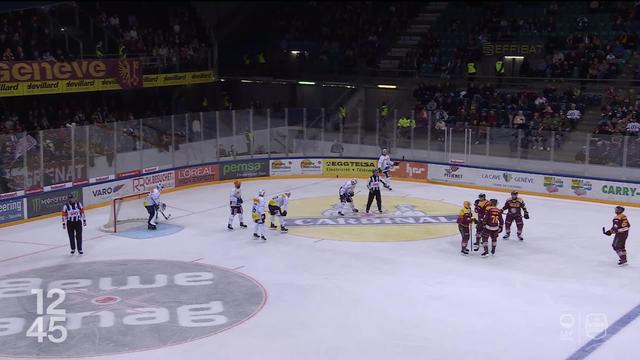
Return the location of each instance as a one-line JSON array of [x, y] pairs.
[[123, 306], [403, 218]]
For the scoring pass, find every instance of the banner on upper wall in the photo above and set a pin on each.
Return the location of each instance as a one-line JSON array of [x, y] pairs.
[[197, 174], [84, 85], [49, 203], [244, 169], [410, 170], [348, 167], [44, 76], [101, 193], [146, 183], [534, 49], [12, 210]]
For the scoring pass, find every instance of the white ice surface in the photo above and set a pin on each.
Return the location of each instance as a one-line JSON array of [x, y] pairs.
[[396, 300]]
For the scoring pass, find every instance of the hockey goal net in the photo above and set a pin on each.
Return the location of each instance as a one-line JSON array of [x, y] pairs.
[[126, 210]]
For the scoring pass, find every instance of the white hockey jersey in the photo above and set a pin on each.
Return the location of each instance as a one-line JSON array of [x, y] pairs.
[[260, 206], [384, 163], [153, 198], [235, 199], [281, 201], [347, 188]]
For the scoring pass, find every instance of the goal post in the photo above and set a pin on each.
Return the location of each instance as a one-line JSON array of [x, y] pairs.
[[124, 210]]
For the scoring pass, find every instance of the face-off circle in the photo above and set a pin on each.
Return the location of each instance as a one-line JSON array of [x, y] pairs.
[[124, 306]]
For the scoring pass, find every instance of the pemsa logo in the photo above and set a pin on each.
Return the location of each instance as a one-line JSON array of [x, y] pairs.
[[242, 169], [231, 168], [123, 306]]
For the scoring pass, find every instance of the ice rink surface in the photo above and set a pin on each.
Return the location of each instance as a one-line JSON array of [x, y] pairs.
[[543, 298]]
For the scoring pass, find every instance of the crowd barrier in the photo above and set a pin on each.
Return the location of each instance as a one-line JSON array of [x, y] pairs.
[[95, 192]]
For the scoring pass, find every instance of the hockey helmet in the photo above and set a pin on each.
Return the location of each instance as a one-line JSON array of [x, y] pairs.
[[385, 151], [482, 196], [160, 187], [467, 205], [619, 209], [514, 194], [354, 181], [288, 193], [261, 192], [256, 200], [493, 202], [237, 184]]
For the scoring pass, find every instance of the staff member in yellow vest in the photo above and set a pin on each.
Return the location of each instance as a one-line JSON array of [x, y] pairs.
[[471, 69], [499, 69], [342, 116]]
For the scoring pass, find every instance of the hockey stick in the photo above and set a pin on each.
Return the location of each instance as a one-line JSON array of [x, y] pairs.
[[165, 216]]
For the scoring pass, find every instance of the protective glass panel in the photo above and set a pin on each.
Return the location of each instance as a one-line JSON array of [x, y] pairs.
[[14, 149], [128, 146], [158, 144], [57, 156], [101, 149], [226, 146], [572, 147], [81, 152]]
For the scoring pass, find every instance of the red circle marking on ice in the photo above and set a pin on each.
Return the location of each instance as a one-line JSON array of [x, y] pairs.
[[106, 300]]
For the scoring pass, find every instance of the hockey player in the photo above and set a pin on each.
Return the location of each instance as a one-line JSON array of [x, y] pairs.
[[278, 207], [152, 204], [514, 207], [620, 228], [72, 220], [385, 164], [235, 202], [257, 213], [346, 193], [493, 224], [465, 221], [479, 208], [374, 190]]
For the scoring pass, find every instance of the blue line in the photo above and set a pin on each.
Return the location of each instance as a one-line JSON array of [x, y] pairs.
[[593, 344]]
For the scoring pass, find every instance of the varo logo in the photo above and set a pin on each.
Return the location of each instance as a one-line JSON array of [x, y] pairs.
[[107, 190]]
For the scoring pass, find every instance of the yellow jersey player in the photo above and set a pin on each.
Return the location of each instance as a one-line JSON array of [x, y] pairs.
[[465, 221], [258, 216], [620, 228], [278, 207]]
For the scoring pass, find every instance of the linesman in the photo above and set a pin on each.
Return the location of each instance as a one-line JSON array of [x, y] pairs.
[[72, 220]]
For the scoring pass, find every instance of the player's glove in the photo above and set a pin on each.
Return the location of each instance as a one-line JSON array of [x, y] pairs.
[[526, 215], [163, 206], [350, 194], [608, 232], [284, 213], [84, 222], [239, 201], [499, 229], [156, 207], [64, 226]]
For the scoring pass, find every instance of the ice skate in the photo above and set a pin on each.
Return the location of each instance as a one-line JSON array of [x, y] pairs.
[[506, 236], [622, 262], [263, 238], [256, 236], [340, 213], [476, 246], [273, 226], [493, 251], [520, 238], [243, 225], [464, 251], [355, 210], [229, 227], [485, 254], [283, 229], [73, 252], [80, 252]]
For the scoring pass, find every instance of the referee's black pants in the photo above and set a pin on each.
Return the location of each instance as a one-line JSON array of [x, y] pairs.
[[74, 229], [374, 194]]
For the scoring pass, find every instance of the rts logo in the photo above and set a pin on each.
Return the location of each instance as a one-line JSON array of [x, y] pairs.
[[414, 171]]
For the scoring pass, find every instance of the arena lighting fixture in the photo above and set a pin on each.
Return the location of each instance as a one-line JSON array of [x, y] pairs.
[[514, 57], [339, 85], [246, 81], [306, 82], [384, 86], [295, 52]]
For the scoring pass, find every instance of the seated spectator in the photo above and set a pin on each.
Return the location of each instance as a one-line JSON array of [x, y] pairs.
[[574, 116], [519, 120]]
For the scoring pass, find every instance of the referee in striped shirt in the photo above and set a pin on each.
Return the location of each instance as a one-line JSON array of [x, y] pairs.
[[72, 220], [374, 190]]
